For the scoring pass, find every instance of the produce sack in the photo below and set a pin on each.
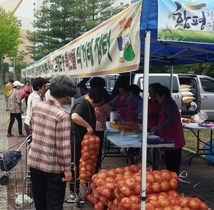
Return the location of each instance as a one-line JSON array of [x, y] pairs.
[[89, 156]]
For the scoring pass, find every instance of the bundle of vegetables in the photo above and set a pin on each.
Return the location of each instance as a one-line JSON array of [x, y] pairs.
[[89, 156], [120, 189]]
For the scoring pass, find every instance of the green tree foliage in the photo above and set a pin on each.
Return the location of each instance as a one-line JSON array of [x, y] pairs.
[[94, 12], [61, 21], [205, 68], [10, 36]]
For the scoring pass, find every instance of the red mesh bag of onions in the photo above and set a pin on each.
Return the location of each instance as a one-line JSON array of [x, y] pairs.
[[89, 155]]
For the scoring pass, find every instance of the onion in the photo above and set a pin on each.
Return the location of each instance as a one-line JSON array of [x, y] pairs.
[[82, 170], [88, 174], [130, 182], [125, 190], [99, 181], [134, 168], [149, 206], [111, 173], [155, 203], [110, 185], [127, 168], [97, 140], [107, 193], [174, 193], [203, 206], [136, 206], [93, 185], [168, 208], [120, 183], [157, 177], [99, 206], [148, 187], [126, 203], [137, 178], [85, 149], [164, 185], [156, 187], [85, 142], [89, 168], [186, 208], [153, 196], [119, 171], [166, 175], [89, 161], [118, 177], [91, 146], [174, 175], [194, 203], [164, 202], [135, 198], [149, 177], [177, 207], [137, 189], [109, 179], [92, 140], [85, 156], [116, 203], [184, 201], [173, 183]]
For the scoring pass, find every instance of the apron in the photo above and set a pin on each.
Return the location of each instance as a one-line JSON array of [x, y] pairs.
[[154, 109], [120, 103], [132, 106], [174, 132]]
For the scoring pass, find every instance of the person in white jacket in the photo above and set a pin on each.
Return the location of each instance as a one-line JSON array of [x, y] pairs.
[[39, 88]]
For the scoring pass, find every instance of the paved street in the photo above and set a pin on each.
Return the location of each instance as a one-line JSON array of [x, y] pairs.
[[198, 182]]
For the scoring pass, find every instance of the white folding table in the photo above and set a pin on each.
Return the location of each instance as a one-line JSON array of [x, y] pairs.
[[195, 129], [128, 140]]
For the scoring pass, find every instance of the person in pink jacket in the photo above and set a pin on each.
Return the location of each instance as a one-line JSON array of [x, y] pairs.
[[27, 88], [169, 127]]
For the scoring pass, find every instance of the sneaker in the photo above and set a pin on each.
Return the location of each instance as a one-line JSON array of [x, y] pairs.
[[82, 201], [10, 135], [21, 135], [73, 199]]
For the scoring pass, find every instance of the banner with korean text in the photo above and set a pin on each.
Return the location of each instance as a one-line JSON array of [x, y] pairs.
[[186, 20], [112, 47]]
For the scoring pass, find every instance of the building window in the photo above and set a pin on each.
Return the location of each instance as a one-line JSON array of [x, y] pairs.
[[121, 3]]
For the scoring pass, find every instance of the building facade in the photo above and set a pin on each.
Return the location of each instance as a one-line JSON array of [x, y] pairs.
[[24, 11]]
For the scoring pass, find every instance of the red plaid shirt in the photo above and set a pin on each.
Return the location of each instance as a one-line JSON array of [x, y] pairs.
[[50, 150]]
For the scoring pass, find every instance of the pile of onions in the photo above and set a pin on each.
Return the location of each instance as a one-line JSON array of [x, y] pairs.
[[171, 200], [120, 189], [89, 156]]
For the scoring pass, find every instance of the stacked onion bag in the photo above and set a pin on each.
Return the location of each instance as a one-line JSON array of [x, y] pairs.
[[120, 188]]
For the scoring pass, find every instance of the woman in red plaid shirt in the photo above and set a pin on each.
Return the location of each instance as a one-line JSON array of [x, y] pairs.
[[50, 152]]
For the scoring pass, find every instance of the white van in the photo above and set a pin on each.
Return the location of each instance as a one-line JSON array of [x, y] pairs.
[[200, 87]]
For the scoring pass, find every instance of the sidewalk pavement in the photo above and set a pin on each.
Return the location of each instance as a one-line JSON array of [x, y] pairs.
[[198, 179]]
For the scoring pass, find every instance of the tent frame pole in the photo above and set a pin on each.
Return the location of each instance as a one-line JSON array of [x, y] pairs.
[[145, 113]]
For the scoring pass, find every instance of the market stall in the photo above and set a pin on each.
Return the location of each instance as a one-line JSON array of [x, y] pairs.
[[150, 32]]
